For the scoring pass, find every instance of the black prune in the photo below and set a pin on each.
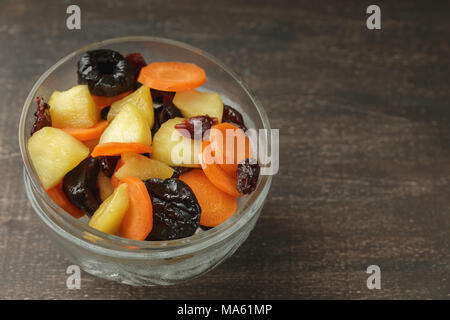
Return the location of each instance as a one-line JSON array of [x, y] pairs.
[[196, 127], [106, 72], [168, 111], [41, 116], [156, 124], [80, 186], [136, 62], [104, 113], [176, 212], [164, 113], [108, 164], [233, 116], [247, 175], [178, 171], [162, 97]]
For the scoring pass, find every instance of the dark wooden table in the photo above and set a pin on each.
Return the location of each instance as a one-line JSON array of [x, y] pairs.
[[364, 124]]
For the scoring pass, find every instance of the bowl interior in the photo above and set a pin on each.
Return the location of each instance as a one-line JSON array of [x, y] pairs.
[[62, 76]]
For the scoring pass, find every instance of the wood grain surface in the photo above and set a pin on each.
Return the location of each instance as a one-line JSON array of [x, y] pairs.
[[364, 125]]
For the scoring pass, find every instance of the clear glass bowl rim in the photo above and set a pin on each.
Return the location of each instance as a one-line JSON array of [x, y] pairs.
[[76, 230]]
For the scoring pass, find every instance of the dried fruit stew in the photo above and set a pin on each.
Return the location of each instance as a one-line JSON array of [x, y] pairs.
[[139, 150]]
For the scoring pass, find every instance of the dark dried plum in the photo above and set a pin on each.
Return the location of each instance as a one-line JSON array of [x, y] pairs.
[[42, 115], [168, 112], [247, 175], [136, 62], [106, 72], [80, 186], [164, 113], [108, 164], [178, 171], [196, 127], [233, 116], [156, 124], [104, 113], [176, 212], [162, 97]]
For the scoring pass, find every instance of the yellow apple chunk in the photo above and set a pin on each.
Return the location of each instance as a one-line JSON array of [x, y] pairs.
[[53, 153], [141, 99], [105, 187], [196, 103], [73, 108], [109, 215], [128, 126], [172, 148], [136, 165]]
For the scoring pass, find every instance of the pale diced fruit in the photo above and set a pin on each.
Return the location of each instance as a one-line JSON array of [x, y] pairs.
[[172, 148], [105, 187], [73, 108], [136, 165], [141, 99], [195, 103], [128, 126], [54, 153], [109, 215]]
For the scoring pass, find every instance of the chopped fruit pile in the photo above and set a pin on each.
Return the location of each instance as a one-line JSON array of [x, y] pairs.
[[140, 151]]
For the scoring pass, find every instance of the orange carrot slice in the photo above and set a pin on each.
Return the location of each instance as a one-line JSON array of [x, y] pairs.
[[103, 102], [218, 177], [117, 148], [57, 194], [138, 220], [230, 153], [217, 206], [114, 180], [85, 134], [172, 76]]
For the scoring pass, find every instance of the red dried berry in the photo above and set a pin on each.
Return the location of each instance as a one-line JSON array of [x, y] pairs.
[[195, 127], [42, 115], [247, 175], [233, 116]]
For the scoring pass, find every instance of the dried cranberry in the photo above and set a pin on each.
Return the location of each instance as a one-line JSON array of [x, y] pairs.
[[108, 164], [196, 127], [176, 212], [80, 186], [233, 116], [136, 62], [178, 171], [42, 115], [106, 72], [247, 175]]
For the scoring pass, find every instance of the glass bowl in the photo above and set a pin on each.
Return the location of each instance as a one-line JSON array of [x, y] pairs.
[[145, 263]]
